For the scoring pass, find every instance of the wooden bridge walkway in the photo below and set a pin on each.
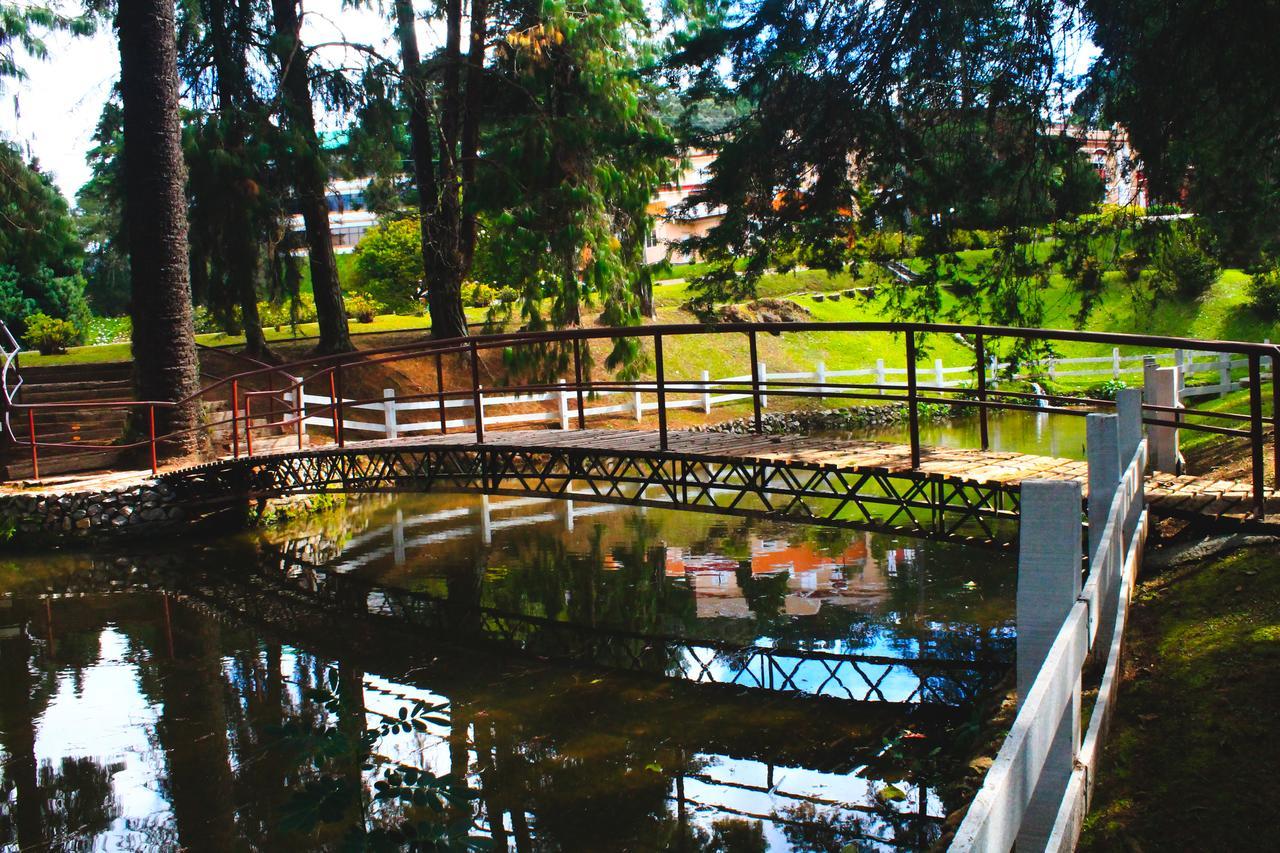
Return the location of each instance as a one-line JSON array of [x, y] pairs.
[[956, 494]]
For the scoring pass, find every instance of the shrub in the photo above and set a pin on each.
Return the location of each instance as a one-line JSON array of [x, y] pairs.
[[50, 335], [362, 307], [205, 322], [1131, 265], [290, 313], [478, 295], [1107, 390], [508, 295], [388, 263], [1264, 293], [1182, 267]]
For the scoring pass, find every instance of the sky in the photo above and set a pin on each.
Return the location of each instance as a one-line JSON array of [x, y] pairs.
[[52, 114]]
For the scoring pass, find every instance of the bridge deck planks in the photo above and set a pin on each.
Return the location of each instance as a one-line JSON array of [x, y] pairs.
[[1182, 494]]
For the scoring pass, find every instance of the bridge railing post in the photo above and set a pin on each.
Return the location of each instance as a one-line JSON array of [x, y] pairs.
[[755, 382], [477, 397], [662, 390], [35, 450], [577, 376], [389, 413], [300, 408], [151, 419], [235, 418], [980, 359], [913, 405], [1257, 449], [335, 407], [1049, 582]]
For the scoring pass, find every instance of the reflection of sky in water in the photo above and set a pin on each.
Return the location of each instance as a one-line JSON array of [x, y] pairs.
[[109, 720]]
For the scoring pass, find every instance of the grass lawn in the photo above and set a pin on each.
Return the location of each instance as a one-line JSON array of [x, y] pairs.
[[1191, 760], [122, 351]]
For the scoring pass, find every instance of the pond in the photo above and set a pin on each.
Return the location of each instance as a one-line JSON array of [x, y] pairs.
[[526, 674], [1039, 434]]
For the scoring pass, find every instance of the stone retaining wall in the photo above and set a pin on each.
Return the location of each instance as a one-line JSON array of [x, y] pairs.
[[47, 517]]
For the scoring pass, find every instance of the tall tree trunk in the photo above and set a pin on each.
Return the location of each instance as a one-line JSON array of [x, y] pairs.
[[450, 224], [164, 347], [242, 261], [413, 85], [309, 178]]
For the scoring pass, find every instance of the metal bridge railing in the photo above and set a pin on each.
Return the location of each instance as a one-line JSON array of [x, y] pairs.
[[454, 374]]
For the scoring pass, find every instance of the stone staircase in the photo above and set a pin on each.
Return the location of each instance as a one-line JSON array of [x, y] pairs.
[[71, 383]]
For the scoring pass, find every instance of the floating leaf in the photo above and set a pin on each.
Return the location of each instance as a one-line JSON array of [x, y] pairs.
[[891, 794]]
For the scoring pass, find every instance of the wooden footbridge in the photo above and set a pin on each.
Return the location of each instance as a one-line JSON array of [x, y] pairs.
[[294, 428]]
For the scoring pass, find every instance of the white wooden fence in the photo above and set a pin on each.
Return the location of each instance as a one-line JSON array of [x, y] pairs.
[[393, 418], [1037, 791]]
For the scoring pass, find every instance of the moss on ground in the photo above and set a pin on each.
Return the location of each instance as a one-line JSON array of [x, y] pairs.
[[1193, 759]]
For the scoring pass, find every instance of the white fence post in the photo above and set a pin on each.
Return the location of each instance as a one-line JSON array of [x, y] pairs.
[[637, 404], [389, 412], [706, 393], [821, 373], [939, 377], [880, 376], [1115, 362], [1052, 371], [562, 398], [1129, 436], [1161, 389], [1180, 365], [1224, 372], [1049, 561], [1102, 447], [480, 412], [764, 377]]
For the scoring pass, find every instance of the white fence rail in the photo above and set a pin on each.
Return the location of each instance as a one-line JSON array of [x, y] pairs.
[[706, 393], [1037, 791]]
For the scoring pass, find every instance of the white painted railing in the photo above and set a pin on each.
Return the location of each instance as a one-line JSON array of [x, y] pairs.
[[1037, 791], [396, 418]]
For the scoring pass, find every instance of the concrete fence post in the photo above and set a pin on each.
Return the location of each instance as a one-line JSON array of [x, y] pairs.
[[939, 376], [562, 399], [821, 373], [637, 406], [1224, 372], [1129, 432], [1049, 562], [479, 409], [764, 378], [880, 376], [389, 413], [1115, 362], [1180, 364], [706, 393], [1102, 447], [1052, 370], [1160, 388]]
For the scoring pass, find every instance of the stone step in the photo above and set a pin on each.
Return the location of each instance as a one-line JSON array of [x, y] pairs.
[[71, 392], [98, 372]]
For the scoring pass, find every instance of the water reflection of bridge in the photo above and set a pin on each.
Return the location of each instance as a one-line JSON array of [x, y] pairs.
[[509, 729]]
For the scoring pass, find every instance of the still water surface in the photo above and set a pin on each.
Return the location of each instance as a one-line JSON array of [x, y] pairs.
[[398, 666]]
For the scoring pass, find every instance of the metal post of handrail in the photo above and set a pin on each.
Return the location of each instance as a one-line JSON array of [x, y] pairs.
[[335, 414], [980, 352], [1255, 434], [577, 375], [248, 425], [755, 382], [476, 402], [301, 410], [35, 454], [235, 418], [662, 391], [913, 406], [151, 416], [1275, 421], [444, 427]]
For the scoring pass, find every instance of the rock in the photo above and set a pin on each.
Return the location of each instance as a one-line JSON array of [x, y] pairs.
[[84, 523], [119, 521]]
